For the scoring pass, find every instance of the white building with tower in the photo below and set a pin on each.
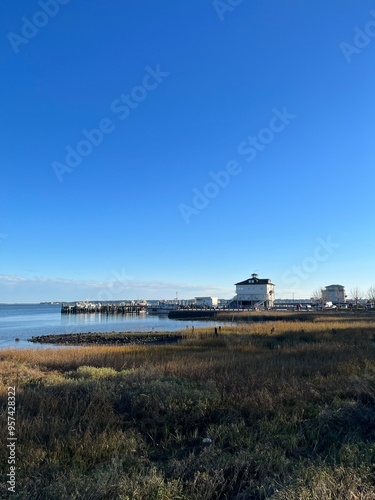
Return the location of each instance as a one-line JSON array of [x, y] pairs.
[[254, 292]]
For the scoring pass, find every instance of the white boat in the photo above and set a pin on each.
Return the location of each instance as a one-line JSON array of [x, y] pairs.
[[161, 308]]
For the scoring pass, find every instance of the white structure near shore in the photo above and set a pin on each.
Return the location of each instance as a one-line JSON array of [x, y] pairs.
[[334, 294], [254, 292], [206, 301]]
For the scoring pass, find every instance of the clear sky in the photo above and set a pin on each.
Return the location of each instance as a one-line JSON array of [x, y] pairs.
[[154, 147]]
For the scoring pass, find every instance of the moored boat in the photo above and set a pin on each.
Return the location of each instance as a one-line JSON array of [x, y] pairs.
[[162, 308]]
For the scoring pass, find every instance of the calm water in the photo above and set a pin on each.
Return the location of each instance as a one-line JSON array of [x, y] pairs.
[[26, 320]]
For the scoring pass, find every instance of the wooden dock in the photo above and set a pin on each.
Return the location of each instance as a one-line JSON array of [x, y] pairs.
[[107, 308]]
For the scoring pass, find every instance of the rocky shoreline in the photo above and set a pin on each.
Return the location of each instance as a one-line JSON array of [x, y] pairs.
[[107, 339]]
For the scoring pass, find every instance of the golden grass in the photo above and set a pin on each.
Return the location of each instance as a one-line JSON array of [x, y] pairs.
[[289, 408]]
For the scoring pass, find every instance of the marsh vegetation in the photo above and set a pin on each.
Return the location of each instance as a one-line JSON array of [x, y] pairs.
[[282, 410]]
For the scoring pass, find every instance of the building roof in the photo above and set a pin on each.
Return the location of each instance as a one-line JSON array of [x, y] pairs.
[[254, 280]]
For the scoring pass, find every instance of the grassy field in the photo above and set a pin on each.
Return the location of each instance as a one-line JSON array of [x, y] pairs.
[[282, 410]]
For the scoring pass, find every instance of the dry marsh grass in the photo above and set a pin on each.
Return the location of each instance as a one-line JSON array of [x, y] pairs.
[[288, 407]]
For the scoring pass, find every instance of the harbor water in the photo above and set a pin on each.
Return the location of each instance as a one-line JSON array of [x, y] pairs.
[[23, 321]]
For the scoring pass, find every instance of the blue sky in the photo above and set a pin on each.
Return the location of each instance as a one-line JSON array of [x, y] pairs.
[[149, 148]]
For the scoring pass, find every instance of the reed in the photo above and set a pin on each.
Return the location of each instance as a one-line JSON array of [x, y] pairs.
[[282, 410]]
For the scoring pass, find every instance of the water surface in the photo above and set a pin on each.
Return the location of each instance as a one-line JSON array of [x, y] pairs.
[[24, 321]]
